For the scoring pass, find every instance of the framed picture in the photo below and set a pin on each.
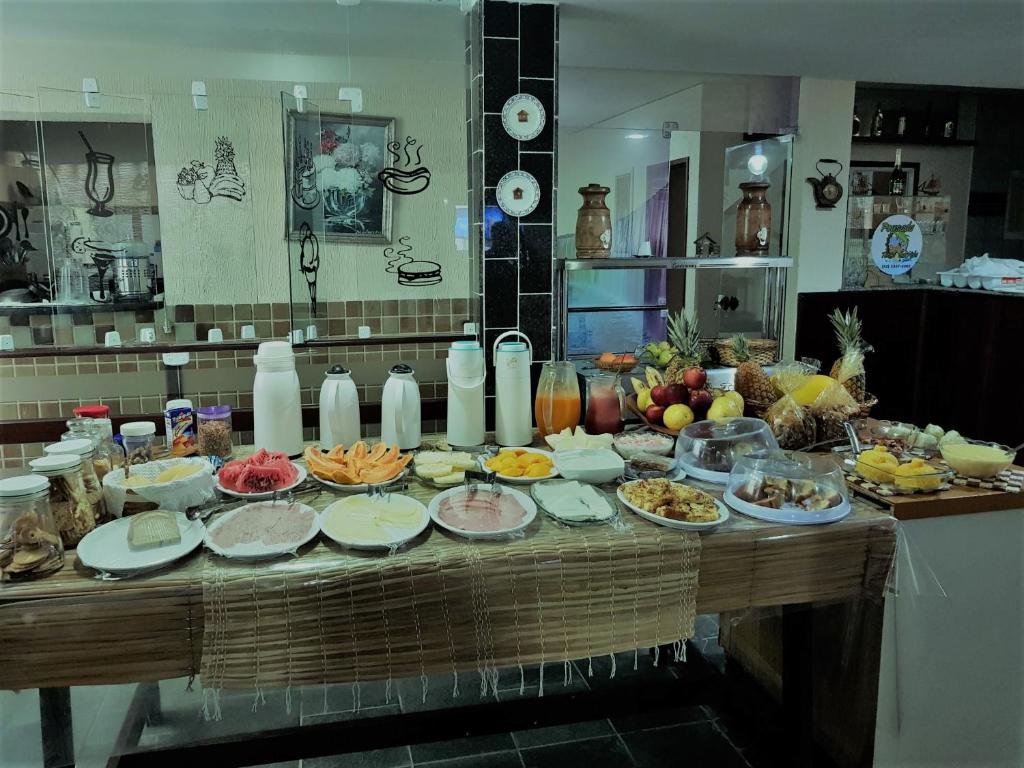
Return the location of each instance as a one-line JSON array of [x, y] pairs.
[[331, 166], [870, 177]]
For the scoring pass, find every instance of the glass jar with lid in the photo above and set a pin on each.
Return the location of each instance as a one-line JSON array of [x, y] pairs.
[[78, 428], [69, 501], [214, 430], [109, 454], [90, 479], [137, 437], [30, 545]]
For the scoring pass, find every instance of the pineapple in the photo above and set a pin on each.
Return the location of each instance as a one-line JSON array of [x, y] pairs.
[[848, 328], [684, 333], [751, 381]]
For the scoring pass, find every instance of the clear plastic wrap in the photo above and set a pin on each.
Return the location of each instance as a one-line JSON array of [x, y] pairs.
[[792, 424], [835, 405]]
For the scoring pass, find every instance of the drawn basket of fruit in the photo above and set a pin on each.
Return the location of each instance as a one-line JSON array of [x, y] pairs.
[[760, 351], [631, 404], [616, 363]]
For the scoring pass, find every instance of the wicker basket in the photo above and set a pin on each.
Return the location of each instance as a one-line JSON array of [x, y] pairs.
[[618, 366], [762, 351]]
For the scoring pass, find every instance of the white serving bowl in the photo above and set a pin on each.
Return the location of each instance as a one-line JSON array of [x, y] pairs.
[[589, 465]]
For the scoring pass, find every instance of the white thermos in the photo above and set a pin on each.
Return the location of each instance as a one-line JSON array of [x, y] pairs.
[[513, 414], [466, 373], [400, 409], [276, 406], [339, 409]]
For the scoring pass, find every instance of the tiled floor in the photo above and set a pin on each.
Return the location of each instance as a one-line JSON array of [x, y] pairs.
[[648, 741]]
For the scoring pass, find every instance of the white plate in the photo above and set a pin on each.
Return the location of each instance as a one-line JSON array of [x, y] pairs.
[[399, 537], [106, 548], [518, 193], [360, 487], [521, 480], [258, 550], [723, 514], [707, 475], [266, 494], [522, 498], [790, 516], [523, 117]]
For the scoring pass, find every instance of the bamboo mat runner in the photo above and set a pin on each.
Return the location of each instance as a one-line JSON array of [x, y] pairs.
[[448, 605], [443, 605]]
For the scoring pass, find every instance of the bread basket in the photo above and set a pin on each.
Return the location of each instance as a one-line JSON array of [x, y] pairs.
[[175, 496]]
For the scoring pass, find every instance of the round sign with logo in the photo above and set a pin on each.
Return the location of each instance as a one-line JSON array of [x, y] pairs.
[[896, 245]]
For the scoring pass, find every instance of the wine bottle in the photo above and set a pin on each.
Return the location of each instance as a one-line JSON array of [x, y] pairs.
[[877, 121], [898, 177]]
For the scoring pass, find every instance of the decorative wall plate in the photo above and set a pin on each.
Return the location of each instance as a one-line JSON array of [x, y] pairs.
[[523, 117], [518, 193]]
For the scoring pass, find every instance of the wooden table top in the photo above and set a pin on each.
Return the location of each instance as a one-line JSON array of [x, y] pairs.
[[73, 622]]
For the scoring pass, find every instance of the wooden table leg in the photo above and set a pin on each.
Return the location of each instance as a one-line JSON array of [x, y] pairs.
[[55, 727], [798, 682]]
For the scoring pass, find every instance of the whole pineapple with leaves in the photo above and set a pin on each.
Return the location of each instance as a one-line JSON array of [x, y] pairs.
[[751, 381], [851, 352], [684, 334]]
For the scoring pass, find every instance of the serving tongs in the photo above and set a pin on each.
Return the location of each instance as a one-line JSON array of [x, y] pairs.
[[483, 476]]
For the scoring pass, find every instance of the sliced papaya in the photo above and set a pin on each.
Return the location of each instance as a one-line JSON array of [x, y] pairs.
[[402, 461], [377, 474], [336, 453], [377, 452], [391, 455], [345, 476]]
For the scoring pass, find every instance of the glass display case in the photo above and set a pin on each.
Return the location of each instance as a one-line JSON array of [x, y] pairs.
[[865, 213]]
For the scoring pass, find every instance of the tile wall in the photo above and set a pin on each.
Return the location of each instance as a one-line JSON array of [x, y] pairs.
[[512, 48], [191, 322], [136, 383]]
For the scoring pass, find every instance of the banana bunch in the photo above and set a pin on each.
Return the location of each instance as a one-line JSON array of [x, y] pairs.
[[643, 388]]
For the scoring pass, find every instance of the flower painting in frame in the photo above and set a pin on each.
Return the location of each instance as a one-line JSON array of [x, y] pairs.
[[332, 165]]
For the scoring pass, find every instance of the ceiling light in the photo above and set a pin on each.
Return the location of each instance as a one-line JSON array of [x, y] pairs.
[[636, 135], [758, 163], [348, 2]]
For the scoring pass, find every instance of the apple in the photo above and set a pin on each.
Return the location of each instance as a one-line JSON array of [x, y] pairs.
[[659, 395], [695, 378], [677, 394], [700, 401], [654, 414]]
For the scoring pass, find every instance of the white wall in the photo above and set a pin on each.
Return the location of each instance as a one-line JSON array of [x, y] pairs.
[[228, 252], [817, 238]]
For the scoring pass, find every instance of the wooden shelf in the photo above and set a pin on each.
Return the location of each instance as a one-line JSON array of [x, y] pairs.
[[911, 141]]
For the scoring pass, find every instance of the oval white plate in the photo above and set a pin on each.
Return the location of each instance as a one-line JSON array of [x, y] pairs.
[[581, 521], [400, 537], [258, 550], [521, 480], [723, 514], [106, 548], [535, 117], [791, 516], [522, 498], [265, 494], [361, 487], [528, 193]]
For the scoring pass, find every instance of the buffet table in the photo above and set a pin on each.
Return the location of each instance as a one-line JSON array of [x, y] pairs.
[[442, 605]]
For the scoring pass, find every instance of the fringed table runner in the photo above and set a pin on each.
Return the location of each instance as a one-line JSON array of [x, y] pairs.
[[448, 605]]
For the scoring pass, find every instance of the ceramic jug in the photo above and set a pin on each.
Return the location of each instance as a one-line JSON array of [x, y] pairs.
[[400, 409], [593, 224]]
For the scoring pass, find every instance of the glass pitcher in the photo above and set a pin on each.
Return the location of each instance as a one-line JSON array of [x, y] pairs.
[[557, 406], [605, 399]]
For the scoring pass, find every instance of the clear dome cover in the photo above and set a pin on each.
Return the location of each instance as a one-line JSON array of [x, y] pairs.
[[788, 487], [708, 450]]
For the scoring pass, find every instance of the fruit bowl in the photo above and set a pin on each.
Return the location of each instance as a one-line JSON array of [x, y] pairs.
[[634, 408], [618, 364]]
